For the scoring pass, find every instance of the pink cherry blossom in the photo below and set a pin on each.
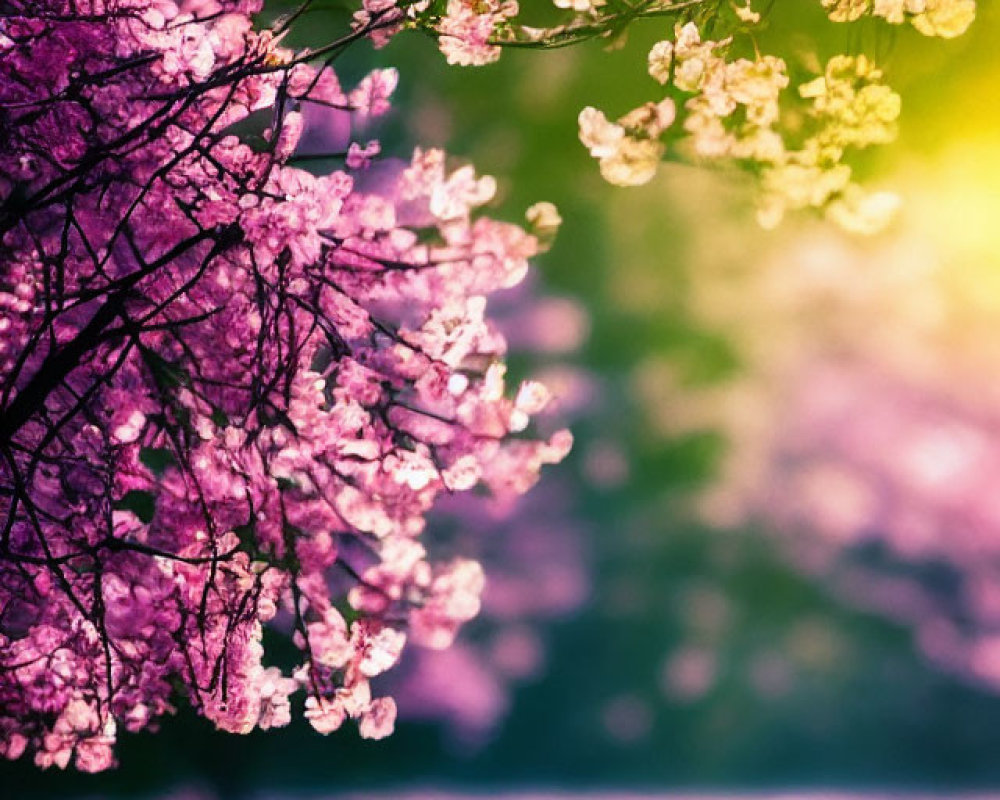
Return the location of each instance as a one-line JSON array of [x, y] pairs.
[[230, 386]]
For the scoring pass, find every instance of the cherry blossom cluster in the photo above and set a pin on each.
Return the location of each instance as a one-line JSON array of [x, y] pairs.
[[465, 29], [231, 388], [946, 18], [732, 110], [792, 133], [531, 546]]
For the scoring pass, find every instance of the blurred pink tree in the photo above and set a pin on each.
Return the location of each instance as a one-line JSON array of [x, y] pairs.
[[861, 426]]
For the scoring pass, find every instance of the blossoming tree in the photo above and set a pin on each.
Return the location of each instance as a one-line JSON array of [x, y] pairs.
[[232, 388]]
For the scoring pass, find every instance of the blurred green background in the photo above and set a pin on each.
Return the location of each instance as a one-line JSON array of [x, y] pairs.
[[702, 657]]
